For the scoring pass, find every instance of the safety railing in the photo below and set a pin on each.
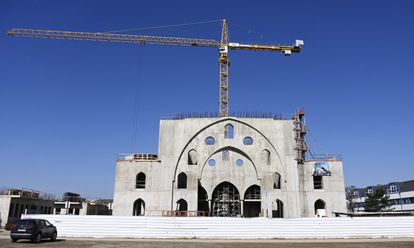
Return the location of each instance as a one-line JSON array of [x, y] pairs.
[[258, 115], [178, 213], [325, 157], [137, 157]]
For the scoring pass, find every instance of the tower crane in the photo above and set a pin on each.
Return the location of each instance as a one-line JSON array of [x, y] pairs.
[[223, 47]]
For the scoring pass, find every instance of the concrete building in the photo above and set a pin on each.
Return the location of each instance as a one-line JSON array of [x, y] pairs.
[[246, 166], [15, 202], [401, 196], [74, 204]]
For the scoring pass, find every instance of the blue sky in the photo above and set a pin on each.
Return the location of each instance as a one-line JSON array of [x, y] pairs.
[[68, 107]]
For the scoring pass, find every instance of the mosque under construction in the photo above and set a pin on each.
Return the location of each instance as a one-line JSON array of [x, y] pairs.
[[242, 166]]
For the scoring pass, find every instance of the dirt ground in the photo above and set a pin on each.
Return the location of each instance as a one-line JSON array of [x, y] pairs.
[[119, 243]]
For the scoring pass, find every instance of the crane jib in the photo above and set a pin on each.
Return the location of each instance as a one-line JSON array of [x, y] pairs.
[[126, 38], [223, 46]]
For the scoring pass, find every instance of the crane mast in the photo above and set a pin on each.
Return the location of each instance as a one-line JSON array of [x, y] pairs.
[[224, 71], [223, 46]]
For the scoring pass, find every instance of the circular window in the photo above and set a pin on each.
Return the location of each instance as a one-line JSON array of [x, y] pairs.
[[210, 140], [248, 141], [212, 162], [239, 162]]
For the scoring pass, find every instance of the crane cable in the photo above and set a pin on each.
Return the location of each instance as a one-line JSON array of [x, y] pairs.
[[314, 139], [248, 30], [164, 26]]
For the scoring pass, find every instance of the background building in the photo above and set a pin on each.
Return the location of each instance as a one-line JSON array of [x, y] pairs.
[[15, 202], [246, 166], [74, 204], [401, 196]]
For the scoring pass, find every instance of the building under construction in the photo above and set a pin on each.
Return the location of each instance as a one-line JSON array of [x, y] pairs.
[[217, 165], [249, 165]]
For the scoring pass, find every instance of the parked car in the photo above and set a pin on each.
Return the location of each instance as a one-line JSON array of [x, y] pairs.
[[33, 229]]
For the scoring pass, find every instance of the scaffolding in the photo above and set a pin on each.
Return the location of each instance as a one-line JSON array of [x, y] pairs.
[[300, 132], [226, 202], [253, 193]]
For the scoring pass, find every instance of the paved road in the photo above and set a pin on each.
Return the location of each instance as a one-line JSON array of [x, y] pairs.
[[120, 243]]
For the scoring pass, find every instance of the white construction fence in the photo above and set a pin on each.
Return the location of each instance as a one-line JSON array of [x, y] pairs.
[[229, 228]]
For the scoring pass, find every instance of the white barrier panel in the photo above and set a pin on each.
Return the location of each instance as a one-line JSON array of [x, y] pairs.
[[229, 228]]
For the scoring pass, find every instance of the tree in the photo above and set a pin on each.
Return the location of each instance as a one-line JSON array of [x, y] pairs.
[[350, 198], [377, 201]]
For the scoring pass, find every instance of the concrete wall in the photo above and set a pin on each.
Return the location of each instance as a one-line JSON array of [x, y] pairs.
[[178, 137], [4, 209], [333, 192], [230, 228]]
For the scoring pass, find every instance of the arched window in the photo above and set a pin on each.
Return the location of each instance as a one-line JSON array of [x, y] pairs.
[[182, 180], [228, 131], [139, 208], [225, 155], [182, 205], [320, 208], [276, 180], [192, 157], [140, 181], [265, 157], [248, 141]]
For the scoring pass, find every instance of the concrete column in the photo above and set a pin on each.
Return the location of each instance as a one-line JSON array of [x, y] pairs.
[[209, 207], [242, 207]]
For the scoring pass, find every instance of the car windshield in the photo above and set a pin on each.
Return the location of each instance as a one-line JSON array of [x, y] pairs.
[[25, 222]]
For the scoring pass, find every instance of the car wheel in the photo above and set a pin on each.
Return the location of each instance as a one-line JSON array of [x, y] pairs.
[[14, 240], [38, 238], [54, 236]]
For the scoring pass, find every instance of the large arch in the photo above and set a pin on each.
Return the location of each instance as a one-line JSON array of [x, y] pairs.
[[226, 200], [138, 208], [228, 148], [252, 201], [214, 123]]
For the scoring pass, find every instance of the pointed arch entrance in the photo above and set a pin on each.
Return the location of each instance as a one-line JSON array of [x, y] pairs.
[[252, 202], [202, 203], [277, 209], [139, 207], [320, 210], [226, 200]]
